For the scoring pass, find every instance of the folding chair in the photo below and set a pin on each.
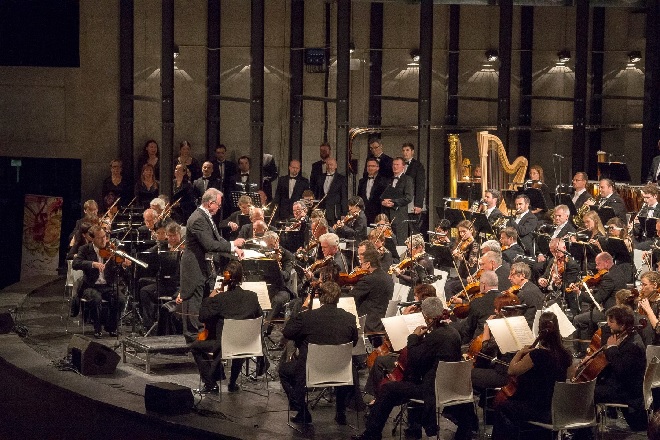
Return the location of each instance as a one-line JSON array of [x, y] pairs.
[[572, 408], [71, 286], [650, 382], [241, 338]]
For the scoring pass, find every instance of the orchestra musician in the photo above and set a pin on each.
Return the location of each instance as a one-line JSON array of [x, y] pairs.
[[536, 369], [420, 267], [202, 237], [529, 294], [354, 225], [395, 199], [256, 227], [615, 229], [158, 204], [330, 248], [383, 222], [492, 261], [611, 280], [237, 218], [593, 228], [376, 236], [580, 193], [374, 290], [491, 200], [310, 249], [510, 248], [609, 198], [650, 305], [562, 224], [278, 292], [297, 232], [466, 258], [427, 345], [90, 215], [289, 189], [233, 303], [560, 271], [370, 188], [651, 209], [480, 308], [525, 223], [99, 275], [537, 181]]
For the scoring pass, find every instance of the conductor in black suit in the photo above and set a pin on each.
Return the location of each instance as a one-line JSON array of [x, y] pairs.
[[370, 188], [327, 325], [384, 161], [232, 303], [525, 223], [580, 194], [373, 292], [202, 237], [415, 170], [333, 188], [318, 167], [609, 198], [395, 199], [289, 189]]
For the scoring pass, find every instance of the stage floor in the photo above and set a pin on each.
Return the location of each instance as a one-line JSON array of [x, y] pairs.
[[43, 397]]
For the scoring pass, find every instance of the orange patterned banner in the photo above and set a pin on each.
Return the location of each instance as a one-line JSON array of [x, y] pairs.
[[42, 225]]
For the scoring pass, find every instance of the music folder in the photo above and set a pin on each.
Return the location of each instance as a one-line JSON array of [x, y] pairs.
[[616, 247], [511, 334], [399, 327], [481, 223], [567, 199]]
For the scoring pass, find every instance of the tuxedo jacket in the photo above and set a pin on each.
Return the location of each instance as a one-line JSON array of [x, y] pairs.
[[531, 295], [283, 201], [652, 176], [233, 304], [495, 215], [236, 179], [613, 281], [317, 170], [83, 261], [401, 195], [525, 227], [571, 271], [510, 254], [384, 165], [355, 229], [199, 187], [583, 198], [336, 201], [230, 170], [372, 295], [417, 172], [480, 309], [567, 228], [502, 273], [616, 202], [372, 206]]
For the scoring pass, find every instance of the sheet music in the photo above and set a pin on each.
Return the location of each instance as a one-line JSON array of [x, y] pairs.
[[400, 292], [262, 292], [566, 327], [511, 334], [399, 327], [347, 303], [251, 254]]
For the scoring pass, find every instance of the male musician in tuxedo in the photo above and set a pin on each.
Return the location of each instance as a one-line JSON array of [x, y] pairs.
[[560, 271], [99, 276], [491, 200], [202, 237], [224, 171], [395, 199], [330, 248], [480, 308], [427, 345], [621, 381], [654, 171], [651, 209], [147, 230], [420, 268], [580, 194], [242, 180], [373, 291], [525, 223], [297, 233], [376, 238], [278, 292], [327, 325], [289, 189], [318, 167], [370, 188], [560, 219], [609, 198], [510, 246], [613, 280], [256, 227], [384, 161], [529, 294], [333, 190], [492, 261], [232, 224], [414, 168], [233, 303], [356, 227], [206, 181]]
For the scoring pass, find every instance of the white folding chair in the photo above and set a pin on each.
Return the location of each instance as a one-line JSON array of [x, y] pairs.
[[361, 346], [650, 378], [653, 351], [572, 407], [241, 338], [71, 286]]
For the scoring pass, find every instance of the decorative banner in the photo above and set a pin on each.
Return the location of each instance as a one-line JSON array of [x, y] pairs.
[[42, 225]]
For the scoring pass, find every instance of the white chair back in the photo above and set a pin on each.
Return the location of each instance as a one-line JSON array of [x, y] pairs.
[[453, 384], [329, 365], [573, 405], [440, 285], [650, 376], [401, 250], [361, 347], [73, 277], [653, 351], [392, 308], [241, 338]]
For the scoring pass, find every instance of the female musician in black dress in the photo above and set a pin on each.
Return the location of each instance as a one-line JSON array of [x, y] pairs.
[[537, 369], [537, 181], [146, 189], [182, 195], [420, 265], [593, 228], [466, 258], [150, 156]]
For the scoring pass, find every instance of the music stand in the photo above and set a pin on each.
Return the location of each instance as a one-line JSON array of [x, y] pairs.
[[567, 199], [604, 212], [235, 195], [455, 216], [616, 247], [536, 199], [509, 197], [616, 171], [441, 255], [468, 190], [261, 269], [481, 224]]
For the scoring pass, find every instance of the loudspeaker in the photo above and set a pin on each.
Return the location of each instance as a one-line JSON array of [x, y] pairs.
[[90, 357], [6, 323], [168, 398]]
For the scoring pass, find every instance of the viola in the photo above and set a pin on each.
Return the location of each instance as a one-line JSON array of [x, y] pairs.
[[349, 279], [384, 349], [203, 333], [403, 264], [320, 263], [345, 219]]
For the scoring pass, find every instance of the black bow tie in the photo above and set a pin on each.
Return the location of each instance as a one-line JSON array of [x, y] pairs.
[[329, 175], [245, 174], [205, 178], [292, 178], [370, 178]]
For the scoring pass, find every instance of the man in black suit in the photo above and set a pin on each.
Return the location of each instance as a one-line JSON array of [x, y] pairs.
[[608, 199], [202, 237], [480, 308], [232, 303], [492, 261], [318, 167], [327, 325], [243, 180], [642, 237], [332, 188], [278, 292], [98, 278], [289, 189], [427, 345], [223, 169], [395, 199], [529, 294], [604, 293], [654, 171], [525, 223], [555, 279], [384, 161], [205, 182], [509, 242], [355, 228], [560, 218], [372, 292], [414, 168], [370, 188], [580, 194], [491, 200]]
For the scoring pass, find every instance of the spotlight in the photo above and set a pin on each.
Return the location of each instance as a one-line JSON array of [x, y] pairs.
[[352, 47], [635, 56], [564, 56], [414, 54], [492, 55]]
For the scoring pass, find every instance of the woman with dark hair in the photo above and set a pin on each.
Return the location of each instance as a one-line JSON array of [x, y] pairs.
[[536, 369], [182, 192], [146, 189], [536, 180], [116, 184], [194, 169], [150, 156]]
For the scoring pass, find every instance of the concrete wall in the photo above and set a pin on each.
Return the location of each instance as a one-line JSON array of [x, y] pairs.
[[74, 112]]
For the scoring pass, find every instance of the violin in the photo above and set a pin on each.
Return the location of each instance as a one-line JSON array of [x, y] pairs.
[[295, 226], [470, 292], [302, 253], [203, 333], [109, 252], [350, 279], [463, 246], [403, 264], [345, 219], [319, 263], [384, 349], [590, 280], [512, 291]]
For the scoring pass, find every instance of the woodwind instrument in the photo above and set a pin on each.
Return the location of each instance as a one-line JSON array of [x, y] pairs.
[[168, 210]]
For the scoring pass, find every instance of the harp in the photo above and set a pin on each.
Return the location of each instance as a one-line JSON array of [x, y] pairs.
[[496, 171], [459, 168]]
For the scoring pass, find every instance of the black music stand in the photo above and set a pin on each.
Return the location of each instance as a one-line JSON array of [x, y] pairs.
[[455, 216], [468, 190], [604, 212], [536, 199], [261, 269], [235, 195], [481, 224], [617, 248], [441, 254], [616, 171], [509, 197], [567, 199]]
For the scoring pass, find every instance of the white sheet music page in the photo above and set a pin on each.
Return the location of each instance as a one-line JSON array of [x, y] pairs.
[[262, 292], [346, 303], [399, 327], [511, 334]]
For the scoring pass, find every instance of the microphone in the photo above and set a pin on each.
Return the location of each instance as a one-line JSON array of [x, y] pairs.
[[558, 155]]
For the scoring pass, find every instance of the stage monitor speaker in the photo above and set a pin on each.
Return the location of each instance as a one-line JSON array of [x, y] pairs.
[[6, 323], [168, 398], [90, 357]]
